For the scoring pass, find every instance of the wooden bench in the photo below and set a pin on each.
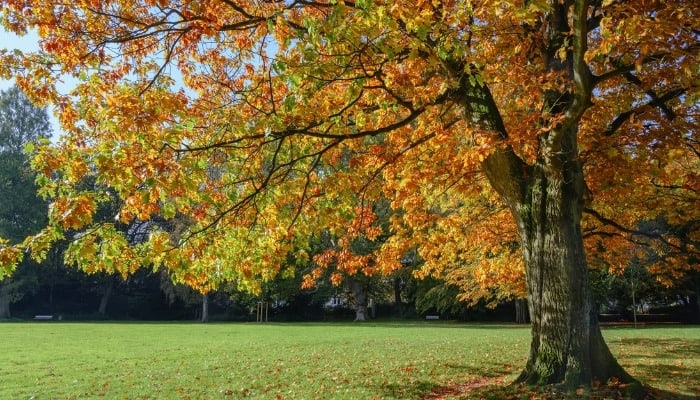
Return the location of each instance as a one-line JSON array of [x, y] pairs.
[[429, 317], [43, 317]]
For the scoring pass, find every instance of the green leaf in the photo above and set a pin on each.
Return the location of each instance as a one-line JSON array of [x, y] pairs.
[[168, 210], [279, 66], [294, 81], [363, 4], [289, 103]]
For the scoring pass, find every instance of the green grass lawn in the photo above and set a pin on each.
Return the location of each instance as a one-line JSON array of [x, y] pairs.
[[51, 360]]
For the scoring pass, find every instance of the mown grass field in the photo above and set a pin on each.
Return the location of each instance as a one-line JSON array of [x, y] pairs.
[[51, 360]]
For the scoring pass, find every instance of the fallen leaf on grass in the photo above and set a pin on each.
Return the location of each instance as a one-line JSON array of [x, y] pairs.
[[461, 388]]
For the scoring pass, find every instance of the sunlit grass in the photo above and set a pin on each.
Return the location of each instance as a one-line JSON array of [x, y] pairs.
[[297, 361], [663, 357]]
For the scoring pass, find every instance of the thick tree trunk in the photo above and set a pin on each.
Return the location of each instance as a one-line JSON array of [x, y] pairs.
[[567, 345], [546, 201]]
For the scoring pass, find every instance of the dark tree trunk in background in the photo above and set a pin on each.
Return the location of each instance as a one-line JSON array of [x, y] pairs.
[[106, 295], [51, 290], [521, 311], [205, 307], [398, 283], [4, 303], [360, 298]]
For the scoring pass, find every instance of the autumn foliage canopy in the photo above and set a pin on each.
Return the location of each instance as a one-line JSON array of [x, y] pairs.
[[240, 129]]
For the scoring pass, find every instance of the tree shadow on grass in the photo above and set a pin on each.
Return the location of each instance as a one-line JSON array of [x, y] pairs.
[[500, 388], [668, 347], [427, 389], [668, 362], [650, 358], [516, 392]]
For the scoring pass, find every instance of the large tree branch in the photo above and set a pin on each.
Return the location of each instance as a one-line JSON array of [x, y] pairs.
[[629, 231], [504, 169], [661, 104], [655, 101], [623, 68], [508, 174], [582, 73]]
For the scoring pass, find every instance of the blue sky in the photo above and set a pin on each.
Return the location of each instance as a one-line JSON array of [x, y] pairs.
[[11, 41], [26, 43], [30, 43]]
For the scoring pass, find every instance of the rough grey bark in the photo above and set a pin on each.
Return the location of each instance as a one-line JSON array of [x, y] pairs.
[[546, 200]]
